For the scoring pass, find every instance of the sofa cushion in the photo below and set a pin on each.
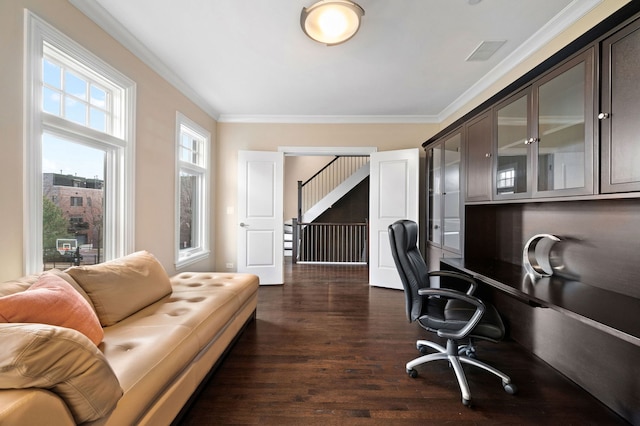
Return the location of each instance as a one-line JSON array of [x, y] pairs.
[[52, 300], [120, 287], [146, 359], [23, 283], [17, 408], [16, 286], [73, 284], [62, 360]]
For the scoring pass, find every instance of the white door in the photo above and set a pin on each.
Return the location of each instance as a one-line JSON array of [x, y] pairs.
[[260, 222], [394, 193]]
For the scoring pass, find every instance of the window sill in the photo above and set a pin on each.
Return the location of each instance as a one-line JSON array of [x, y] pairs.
[[191, 258]]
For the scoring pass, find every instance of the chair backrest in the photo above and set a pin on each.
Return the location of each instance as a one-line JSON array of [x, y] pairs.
[[414, 274]]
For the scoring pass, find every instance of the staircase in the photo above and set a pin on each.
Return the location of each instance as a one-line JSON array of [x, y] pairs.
[[324, 189], [335, 194], [288, 238]]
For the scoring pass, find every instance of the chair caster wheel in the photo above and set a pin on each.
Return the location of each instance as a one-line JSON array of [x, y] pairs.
[[423, 349], [471, 353], [466, 402], [412, 373], [510, 388]]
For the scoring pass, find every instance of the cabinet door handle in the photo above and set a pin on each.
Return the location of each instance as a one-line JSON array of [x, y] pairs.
[[603, 116], [488, 155]]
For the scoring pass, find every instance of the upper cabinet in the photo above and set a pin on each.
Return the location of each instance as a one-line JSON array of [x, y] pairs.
[[570, 130], [562, 140], [444, 204], [478, 149], [544, 135], [513, 130], [619, 115]]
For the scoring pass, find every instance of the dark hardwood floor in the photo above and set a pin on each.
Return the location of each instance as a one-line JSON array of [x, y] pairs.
[[327, 349]]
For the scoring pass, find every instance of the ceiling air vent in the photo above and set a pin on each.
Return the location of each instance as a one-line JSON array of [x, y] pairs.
[[485, 50]]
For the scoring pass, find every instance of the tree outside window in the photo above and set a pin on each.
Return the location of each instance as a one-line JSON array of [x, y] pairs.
[[192, 197]]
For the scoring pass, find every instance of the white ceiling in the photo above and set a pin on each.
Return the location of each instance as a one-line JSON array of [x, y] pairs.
[[248, 60]]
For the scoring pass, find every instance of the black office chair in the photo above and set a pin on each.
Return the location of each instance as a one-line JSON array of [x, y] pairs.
[[452, 314]]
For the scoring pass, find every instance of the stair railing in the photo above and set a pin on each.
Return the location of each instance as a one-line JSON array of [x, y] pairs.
[[332, 243], [326, 180]]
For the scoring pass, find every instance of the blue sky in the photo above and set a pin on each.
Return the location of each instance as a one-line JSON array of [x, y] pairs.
[[62, 156], [76, 99]]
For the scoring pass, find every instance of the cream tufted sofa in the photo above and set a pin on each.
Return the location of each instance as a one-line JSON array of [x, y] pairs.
[[150, 360]]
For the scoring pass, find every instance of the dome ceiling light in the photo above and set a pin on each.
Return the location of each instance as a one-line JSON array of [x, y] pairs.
[[331, 22]]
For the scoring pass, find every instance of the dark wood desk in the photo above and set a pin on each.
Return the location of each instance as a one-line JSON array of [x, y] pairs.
[[608, 311]]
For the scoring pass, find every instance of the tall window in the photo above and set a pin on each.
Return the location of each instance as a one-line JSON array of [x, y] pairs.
[[80, 150], [192, 191]]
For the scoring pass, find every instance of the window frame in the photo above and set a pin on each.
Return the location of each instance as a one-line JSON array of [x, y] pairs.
[[200, 250], [119, 146]]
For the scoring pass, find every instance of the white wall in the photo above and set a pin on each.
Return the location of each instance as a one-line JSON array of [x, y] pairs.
[[233, 137]]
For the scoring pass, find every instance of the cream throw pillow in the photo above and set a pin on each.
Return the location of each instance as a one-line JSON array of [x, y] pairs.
[[60, 359], [121, 287]]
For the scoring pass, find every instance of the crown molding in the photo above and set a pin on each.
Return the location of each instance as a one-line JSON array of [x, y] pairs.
[[326, 150], [329, 119], [568, 16], [108, 23]]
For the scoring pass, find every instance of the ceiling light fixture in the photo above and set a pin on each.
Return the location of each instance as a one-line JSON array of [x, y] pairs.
[[331, 22]]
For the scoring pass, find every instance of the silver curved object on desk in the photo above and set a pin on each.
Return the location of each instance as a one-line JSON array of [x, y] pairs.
[[537, 264]]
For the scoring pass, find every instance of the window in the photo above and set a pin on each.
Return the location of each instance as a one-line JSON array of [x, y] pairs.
[[506, 180], [192, 191], [74, 96], [79, 140]]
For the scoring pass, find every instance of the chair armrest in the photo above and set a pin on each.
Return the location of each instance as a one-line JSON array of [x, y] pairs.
[[455, 294], [473, 284]]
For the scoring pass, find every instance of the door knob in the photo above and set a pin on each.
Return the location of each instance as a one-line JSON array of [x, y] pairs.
[[243, 225]]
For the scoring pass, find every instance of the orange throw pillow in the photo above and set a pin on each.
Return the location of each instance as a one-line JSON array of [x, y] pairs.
[[51, 300]]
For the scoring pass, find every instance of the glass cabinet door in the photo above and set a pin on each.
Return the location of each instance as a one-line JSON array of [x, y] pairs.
[[544, 135], [563, 143], [444, 206], [435, 195], [512, 165], [451, 192]]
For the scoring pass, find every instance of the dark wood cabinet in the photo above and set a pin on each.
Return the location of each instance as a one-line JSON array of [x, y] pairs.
[[620, 111], [478, 157], [562, 140], [545, 155], [512, 173], [444, 203], [544, 135]]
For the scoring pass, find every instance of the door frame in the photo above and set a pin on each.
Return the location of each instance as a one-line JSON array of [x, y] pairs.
[[327, 151], [301, 151]]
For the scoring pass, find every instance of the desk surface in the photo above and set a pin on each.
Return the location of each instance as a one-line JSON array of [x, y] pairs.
[[612, 312]]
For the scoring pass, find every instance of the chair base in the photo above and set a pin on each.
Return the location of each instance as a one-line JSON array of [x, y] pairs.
[[451, 354]]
